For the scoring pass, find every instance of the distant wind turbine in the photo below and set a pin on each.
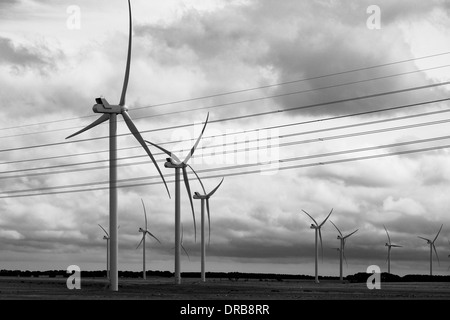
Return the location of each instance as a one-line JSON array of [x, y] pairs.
[[317, 228], [432, 246], [145, 232], [205, 198], [342, 239], [175, 163], [106, 237], [110, 113], [389, 245]]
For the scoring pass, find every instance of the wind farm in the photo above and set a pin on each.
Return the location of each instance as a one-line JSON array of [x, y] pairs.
[[288, 113]]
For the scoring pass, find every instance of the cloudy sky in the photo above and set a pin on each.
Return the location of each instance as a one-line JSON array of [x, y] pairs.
[[267, 72]]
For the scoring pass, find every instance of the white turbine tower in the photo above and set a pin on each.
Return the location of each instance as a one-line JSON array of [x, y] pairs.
[[175, 163], [110, 112], [205, 198], [432, 246], [389, 245], [106, 237], [342, 239], [318, 233], [145, 233]]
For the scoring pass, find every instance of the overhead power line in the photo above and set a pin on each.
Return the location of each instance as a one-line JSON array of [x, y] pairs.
[[246, 90], [222, 145], [13, 193], [241, 117]]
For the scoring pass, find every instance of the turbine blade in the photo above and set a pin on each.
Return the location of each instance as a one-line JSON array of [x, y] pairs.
[[345, 259], [142, 240], [424, 238], [100, 120], [104, 230], [127, 70], [396, 246], [209, 221], [188, 189], [148, 232], [310, 217], [189, 155], [181, 243], [321, 244], [215, 189], [350, 233], [435, 251], [438, 233], [145, 214], [139, 138], [336, 228], [198, 178], [184, 249], [326, 218], [170, 154], [389, 238]]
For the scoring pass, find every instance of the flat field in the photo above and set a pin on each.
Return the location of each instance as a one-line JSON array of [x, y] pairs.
[[215, 289]]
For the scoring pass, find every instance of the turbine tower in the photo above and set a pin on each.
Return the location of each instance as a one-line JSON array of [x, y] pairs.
[[389, 245], [145, 232], [205, 198], [106, 237], [110, 112], [432, 246], [317, 228], [342, 239], [175, 163]]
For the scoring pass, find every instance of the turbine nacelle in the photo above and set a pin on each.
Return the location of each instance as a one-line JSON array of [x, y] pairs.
[[141, 230], [103, 106], [105, 238]]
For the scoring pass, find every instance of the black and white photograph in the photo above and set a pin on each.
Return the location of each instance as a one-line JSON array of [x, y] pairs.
[[224, 154]]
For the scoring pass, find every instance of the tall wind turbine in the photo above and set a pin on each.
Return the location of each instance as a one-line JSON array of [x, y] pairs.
[[317, 228], [106, 237], [145, 232], [205, 198], [175, 163], [342, 239], [389, 245], [432, 246], [110, 112]]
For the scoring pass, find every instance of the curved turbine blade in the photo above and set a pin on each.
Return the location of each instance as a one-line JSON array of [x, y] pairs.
[[389, 238], [340, 233], [104, 230], [145, 214], [141, 140], [170, 154], [142, 240], [148, 232], [181, 243], [310, 217], [343, 254], [209, 221], [215, 189], [435, 251], [326, 218], [350, 233], [198, 178], [188, 189], [189, 155], [438, 233], [100, 120], [321, 244], [127, 70], [424, 238]]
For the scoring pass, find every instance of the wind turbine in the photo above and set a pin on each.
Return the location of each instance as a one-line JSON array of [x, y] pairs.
[[175, 163], [389, 245], [317, 228], [106, 237], [145, 232], [342, 239], [205, 198], [110, 112], [432, 246]]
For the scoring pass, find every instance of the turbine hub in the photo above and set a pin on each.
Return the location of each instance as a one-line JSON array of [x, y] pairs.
[[123, 109]]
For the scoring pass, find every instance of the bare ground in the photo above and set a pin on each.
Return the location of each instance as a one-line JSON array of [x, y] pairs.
[[214, 289]]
